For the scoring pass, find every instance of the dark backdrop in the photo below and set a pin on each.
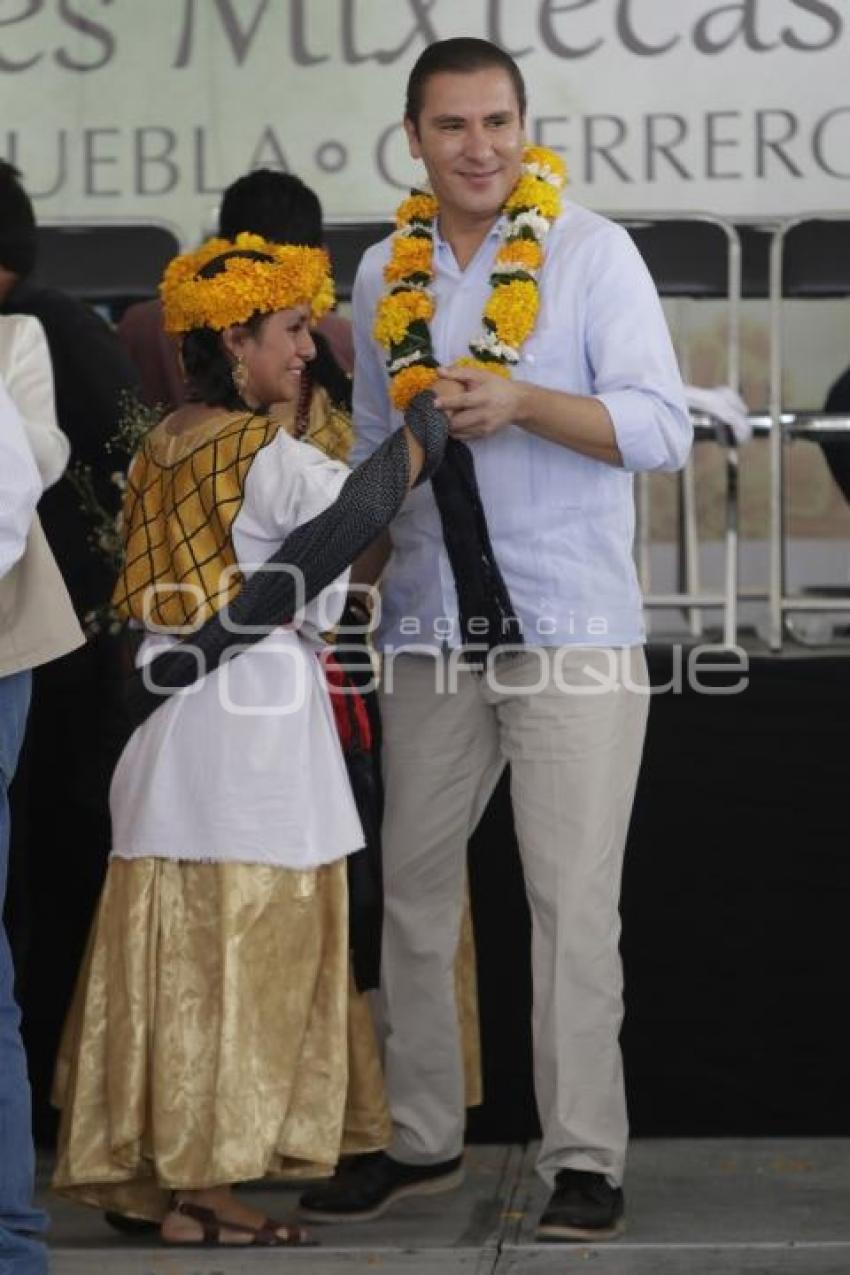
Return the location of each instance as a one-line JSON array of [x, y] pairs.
[[736, 916]]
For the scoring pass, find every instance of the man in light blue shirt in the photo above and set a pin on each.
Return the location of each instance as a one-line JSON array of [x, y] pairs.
[[560, 512], [594, 397]]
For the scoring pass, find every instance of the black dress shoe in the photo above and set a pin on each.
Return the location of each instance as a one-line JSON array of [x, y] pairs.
[[583, 1206], [365, 1189]]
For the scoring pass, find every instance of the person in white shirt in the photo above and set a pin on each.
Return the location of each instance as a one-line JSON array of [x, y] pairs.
[[20, 483], [37, 624], [562, 384], [27, 371]]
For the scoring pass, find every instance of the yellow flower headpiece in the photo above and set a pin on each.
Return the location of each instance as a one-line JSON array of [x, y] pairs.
[[294, 275]]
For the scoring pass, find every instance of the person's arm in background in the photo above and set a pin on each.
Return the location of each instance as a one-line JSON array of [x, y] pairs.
[[29, 381], [20, 484], [91, 373]]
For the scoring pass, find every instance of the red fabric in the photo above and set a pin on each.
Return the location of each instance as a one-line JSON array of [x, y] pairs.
[[352, 719], [154, 354]]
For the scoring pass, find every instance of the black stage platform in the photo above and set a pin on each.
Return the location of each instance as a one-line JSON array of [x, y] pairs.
[[736, 914]]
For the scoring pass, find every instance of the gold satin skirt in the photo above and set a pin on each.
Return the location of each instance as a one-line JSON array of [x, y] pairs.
[[214, 1036]]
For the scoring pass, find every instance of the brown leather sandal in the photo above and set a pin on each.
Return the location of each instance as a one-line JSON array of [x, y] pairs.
[[264, 1236]]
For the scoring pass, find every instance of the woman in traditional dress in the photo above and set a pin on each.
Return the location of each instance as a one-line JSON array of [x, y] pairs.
[[207, 1041]]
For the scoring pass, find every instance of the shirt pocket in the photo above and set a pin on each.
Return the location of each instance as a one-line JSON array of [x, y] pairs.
[[553, 358]]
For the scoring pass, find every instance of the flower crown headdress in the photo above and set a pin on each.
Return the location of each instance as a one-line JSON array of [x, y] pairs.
[[293, 275]]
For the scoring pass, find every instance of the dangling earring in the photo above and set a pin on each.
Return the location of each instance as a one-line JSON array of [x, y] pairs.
[[239, 373]]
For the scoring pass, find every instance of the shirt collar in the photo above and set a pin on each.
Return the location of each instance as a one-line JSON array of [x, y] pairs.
[[495, 230]]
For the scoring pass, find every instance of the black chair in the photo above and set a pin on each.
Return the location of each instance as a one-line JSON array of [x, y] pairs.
[[809, 259], [347, 241], [109, 264], [695, 256]]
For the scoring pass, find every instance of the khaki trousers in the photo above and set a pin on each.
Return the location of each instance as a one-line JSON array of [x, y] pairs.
[[571, 723]]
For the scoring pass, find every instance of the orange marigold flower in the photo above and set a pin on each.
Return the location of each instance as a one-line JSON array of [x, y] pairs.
[[397, 310], [324, 299], [512, 308], [419, 206], [521, 252], [498, 369], [533, 192], [292, 275], [409, 382], [411, 254]]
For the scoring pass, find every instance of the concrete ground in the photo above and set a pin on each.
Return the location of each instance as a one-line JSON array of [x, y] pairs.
[[693, 1207]]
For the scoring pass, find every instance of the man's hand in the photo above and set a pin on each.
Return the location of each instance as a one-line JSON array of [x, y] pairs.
[[478, 403]]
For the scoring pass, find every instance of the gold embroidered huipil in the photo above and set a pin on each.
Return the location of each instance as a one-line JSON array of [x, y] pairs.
[[183, 493]]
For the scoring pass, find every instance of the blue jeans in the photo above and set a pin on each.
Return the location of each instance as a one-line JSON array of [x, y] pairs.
[[20, 1252]]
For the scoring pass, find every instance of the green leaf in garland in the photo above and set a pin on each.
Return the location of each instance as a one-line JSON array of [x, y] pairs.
[[500, 277], [524, 232], [417, 337]]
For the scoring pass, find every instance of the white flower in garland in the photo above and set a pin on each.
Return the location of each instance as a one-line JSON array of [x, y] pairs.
[[531, 220], [491, 347], [405, 360]]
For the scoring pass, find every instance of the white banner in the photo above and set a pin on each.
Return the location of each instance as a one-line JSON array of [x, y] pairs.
[[148, 108]]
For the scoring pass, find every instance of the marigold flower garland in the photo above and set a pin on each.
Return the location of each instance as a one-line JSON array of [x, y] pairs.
[[295, 275], [407, 307]]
